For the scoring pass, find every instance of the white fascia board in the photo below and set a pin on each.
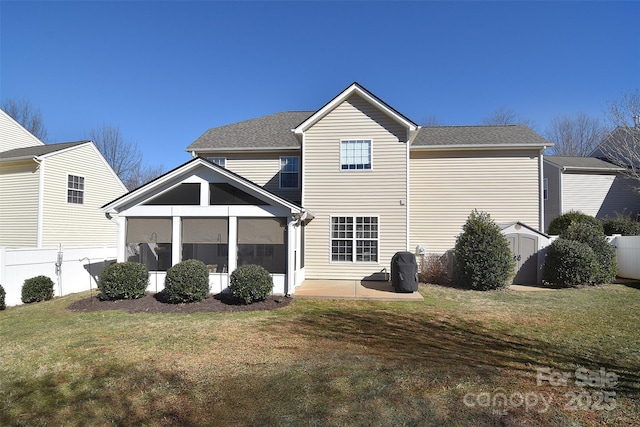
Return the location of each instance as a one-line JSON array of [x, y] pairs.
[[354, 88], [197, 153]]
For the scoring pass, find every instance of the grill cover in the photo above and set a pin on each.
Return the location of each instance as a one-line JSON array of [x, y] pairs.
[[404, 272]]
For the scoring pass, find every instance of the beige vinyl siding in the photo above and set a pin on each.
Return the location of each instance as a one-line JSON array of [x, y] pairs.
[[585, 192], [330, 191], [14, 135], [74, 224], [446, 186], [552, 205], [262, 169], [19, 204]]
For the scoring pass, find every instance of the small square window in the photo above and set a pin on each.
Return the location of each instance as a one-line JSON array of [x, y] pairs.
[[220, 161]]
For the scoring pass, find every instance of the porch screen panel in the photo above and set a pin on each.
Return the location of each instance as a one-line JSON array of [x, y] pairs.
[[149, 241], [206, 239], [262, 241]]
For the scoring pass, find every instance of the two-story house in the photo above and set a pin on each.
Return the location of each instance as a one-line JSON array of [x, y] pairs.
[[329, 194], [51, 194]]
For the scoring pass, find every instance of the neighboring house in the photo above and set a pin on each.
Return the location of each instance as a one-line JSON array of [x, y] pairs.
[[50, 194], [588, 185], [351, 183]]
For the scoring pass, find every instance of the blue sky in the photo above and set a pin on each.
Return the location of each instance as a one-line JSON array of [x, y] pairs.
[[165, 72]]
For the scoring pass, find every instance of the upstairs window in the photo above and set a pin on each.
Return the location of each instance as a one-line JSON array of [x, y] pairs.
[[220, 161], [289, 172], [545, 191], [75, 189], [355, 154]]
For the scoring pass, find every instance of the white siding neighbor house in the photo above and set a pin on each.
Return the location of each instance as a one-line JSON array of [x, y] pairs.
[[350, 184], [586, 184], [51, 194]]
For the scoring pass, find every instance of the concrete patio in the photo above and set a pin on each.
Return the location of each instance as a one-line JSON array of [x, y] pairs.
[[354, 290]]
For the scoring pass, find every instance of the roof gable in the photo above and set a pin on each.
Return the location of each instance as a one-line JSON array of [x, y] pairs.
[[149, 191], [355, 88], [14, 135], [485, 137]]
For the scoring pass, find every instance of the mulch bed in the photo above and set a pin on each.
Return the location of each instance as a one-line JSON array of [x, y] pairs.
[[155, 303]]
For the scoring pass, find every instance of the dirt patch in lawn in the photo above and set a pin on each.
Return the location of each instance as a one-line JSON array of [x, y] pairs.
[[155, 303]]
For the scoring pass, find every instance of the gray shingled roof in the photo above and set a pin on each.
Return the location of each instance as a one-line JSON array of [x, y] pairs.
[[37, 150], [438, 136], [267, 132], [581, 163]]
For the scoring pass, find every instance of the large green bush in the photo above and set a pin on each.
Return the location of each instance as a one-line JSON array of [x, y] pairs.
[[187, 281], [2, 300], [562, 222], [250, 283], [570, 263], [39, 288], [585, 232], [483, 260], [621, 224], [123, 280]]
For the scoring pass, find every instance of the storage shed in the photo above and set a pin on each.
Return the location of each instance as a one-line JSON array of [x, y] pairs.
[[528, 246]]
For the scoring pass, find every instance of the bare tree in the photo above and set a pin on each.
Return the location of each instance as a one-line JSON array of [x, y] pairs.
[[27, 115], [506, 116], [123, 156], [430, 120], [622, 145], [575, 135]]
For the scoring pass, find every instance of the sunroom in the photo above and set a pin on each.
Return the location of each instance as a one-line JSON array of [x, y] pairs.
[[205, 212]]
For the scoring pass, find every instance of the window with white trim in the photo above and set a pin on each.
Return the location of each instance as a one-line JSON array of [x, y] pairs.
[[355, 154], [220, 161], [354, 238], [545, 189], [75, 189], [289, 172]]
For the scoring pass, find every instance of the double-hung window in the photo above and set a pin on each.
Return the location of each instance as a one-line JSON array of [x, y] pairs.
[[75, 189], [354, 238], [220, 161], [289, 172], [355, 154]]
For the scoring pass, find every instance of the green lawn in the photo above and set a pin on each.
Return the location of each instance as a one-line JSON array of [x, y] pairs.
[[445, 361]]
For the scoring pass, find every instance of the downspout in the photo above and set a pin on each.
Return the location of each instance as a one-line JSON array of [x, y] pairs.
[[407, 186], [40, 215], [541, 191]]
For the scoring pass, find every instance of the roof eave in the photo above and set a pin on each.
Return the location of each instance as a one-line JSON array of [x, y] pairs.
[[240, 149], [479, 147]]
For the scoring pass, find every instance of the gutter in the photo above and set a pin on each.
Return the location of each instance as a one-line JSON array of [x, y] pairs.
[[458, 147], [239, 149]]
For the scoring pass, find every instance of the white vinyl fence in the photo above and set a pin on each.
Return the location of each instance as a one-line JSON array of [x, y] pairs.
[[71, 269], [628, 256]]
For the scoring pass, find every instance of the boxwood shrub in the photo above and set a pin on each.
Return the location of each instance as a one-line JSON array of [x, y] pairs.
[[123, 280], [186, 282], [250, 283], [570, 263], [586, 232], [35, 289], [562, 222], [621, 224], [483, 259], [2, 298]]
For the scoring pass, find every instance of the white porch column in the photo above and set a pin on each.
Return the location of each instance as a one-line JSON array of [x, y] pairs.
[[121, 255], [176, 239], [290, 281], [233, 244]]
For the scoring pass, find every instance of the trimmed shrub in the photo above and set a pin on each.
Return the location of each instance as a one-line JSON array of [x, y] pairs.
[[483, 259], [562, 222], [123, 280], [250, 283], [39, 288], [585, 232], [570, 263], [186, 282], [621, 224], [2, 300]]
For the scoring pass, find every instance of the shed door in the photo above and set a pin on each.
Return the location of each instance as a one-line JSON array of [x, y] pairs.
[[524, 249]]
